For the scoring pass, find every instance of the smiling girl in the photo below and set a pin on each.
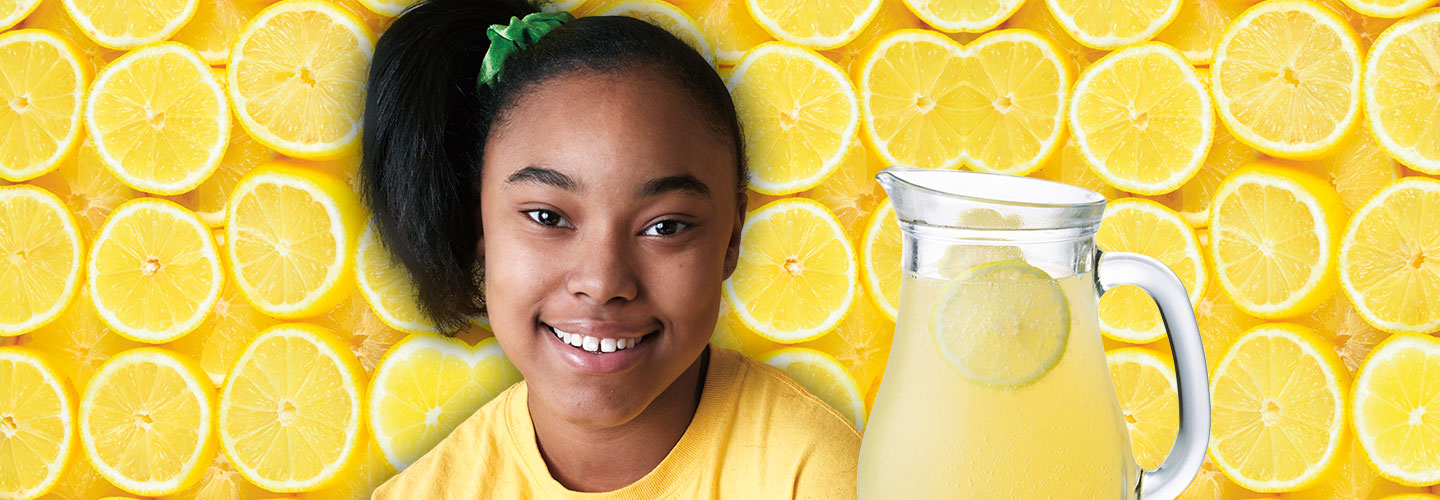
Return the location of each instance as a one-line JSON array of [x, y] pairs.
[[581, 182]]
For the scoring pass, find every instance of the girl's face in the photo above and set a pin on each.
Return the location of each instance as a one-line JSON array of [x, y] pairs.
[[608, 212]]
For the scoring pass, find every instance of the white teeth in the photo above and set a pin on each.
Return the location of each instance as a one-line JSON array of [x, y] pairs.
[[594, 344]]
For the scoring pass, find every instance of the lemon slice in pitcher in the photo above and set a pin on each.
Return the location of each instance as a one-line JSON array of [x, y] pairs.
[[1002, 324]]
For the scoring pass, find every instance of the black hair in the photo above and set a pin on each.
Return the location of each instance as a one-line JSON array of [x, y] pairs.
[[426, 124]]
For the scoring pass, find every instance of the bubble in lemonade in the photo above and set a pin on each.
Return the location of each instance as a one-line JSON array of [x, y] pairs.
[[997, 388]]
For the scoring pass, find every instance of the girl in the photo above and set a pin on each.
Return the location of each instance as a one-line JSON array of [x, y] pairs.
[[591, 174]]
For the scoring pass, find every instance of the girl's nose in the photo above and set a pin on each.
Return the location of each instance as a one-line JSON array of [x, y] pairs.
[[602, 270]]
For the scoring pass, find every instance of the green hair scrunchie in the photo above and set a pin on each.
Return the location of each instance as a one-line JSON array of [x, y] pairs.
[[506, 40]]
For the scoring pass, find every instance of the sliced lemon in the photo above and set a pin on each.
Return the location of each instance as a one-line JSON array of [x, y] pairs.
[[666, 16], [1192, 201], [824, 377], [880, 256], [13, 11], [1286, 79], [1220, 321], [356, 324], [1145, 227], [797, 275], [970, 16], [731, 334], [78, 342], [799, 114], [41, 269], [1111, 24], [1198, 26], [1388, 8], [360, 479], [426, 385], [44, 85], [728, 28], [147, 421], [861, 343], [1149, 400], [120, 25], [1401, 94], [814, 25], [154, 272], [388, 8], [1338, 322], [290, 238], [296, 387], [871, 394], [1274, 230], [374, 20], [930, 102], [893, 15], [1002, 324], [1368, 28], [1211, 484], [81, 482], [51, 16], [1351, 476], [208, 200], [89, 190], [297, 77], [212, 31], [1358, 170], [851, 191], [37, 424], [1386, 266], [1142, 119], [387, 286], [158, 118], [220, 481], [1069, 167], [1035, 16], [1395, 416], [218, 341], [1279, 383]]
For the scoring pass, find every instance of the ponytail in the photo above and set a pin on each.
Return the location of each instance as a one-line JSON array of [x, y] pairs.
[[420, 143]]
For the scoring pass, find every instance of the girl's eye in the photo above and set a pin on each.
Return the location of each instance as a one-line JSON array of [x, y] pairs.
[[666, 228], [547, 218]]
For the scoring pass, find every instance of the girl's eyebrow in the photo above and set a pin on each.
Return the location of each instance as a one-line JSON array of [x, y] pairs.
[[544, 176], [684, 183]]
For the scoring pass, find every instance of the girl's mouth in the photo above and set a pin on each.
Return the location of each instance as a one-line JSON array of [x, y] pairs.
[[598, 355], [597, 345]]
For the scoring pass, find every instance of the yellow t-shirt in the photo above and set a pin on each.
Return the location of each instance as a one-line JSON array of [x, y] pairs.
[[756, 434]]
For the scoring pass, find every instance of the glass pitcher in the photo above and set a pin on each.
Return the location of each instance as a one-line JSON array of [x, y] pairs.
[[996, 386]]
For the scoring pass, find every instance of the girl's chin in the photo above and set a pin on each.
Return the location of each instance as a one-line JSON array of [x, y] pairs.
[[597, 407]]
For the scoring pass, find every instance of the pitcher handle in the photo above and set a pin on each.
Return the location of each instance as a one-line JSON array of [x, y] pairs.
[[1176, 473]]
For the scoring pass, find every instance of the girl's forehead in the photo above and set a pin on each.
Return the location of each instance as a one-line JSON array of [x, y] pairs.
[[625, 125]]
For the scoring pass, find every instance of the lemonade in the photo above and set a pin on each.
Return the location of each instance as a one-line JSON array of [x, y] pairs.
[[1057, 432]]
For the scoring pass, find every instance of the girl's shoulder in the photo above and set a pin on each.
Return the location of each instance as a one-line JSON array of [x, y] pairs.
[[769, 392], [787, 441]]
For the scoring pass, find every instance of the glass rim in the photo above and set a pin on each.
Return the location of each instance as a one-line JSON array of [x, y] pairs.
[[1090, 199]]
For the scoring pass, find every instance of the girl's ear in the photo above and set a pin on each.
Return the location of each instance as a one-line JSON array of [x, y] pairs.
[[732, 249]]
